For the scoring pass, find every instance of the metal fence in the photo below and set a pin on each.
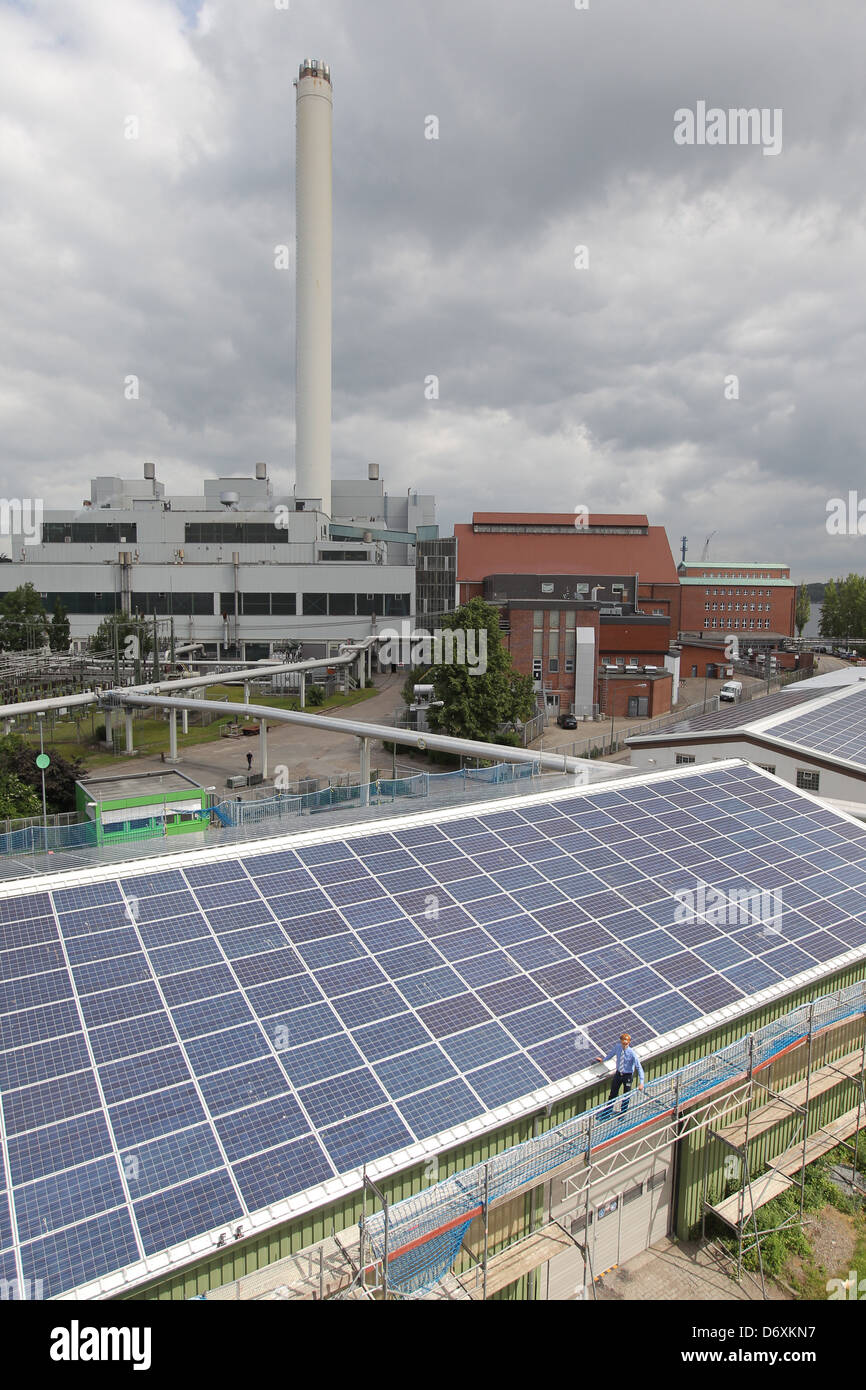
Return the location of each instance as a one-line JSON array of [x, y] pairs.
[[10, 825], [608, 739], [778, 681], [283, 805], [263, 807], [37, 840]]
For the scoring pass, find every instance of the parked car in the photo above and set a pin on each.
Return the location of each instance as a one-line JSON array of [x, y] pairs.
[[567, 721]]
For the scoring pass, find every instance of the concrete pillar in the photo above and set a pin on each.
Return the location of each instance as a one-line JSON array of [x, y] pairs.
[[365, 771], [184, 715], [362, 663], [246, 692], [108, 717], [263, 737], [129, 744], [303, 701], [172, 736]]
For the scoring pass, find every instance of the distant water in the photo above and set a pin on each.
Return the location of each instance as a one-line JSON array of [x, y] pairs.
[[811, 628]]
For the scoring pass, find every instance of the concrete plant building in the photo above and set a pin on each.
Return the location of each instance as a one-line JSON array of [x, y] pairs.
[[244, 571], [241, 570]]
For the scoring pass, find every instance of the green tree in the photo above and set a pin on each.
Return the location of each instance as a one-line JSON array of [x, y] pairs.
[[315, 695], [16, 798], [477, 699], [829, 624], [58, 629], [803, 610], [843, 615], [18, 759], [22, 620], [103, 638], [853, 599]]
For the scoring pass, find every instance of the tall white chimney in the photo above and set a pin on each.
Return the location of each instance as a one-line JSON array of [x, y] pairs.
[[313, 209]]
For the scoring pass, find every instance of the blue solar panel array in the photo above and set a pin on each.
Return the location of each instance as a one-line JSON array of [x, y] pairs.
[[181, 1048], [837, 729], [737, 715]]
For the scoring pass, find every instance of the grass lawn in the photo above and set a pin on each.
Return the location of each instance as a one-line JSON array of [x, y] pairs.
[[151, 735]]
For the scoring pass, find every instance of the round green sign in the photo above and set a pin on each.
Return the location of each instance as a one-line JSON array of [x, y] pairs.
[[43, 760]]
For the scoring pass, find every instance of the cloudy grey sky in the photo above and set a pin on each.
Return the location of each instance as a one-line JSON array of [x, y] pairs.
[[559, 386]]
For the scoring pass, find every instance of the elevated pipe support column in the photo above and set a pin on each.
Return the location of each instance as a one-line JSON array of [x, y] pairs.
[[130, 748], [365, 771], [263, 738]]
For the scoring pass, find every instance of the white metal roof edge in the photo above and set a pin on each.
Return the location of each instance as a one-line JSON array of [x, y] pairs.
[[183, 858]]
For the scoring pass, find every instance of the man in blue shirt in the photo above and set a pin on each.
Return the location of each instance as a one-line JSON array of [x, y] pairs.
[[627, 1063]]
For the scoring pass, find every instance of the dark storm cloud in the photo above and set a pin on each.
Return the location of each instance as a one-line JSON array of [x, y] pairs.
[[453, 257]]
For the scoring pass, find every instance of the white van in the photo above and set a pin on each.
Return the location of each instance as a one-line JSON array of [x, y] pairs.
[[731, 690]]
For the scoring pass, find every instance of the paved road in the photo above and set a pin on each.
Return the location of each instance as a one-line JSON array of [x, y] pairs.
[[679, 1271], [306, 752]]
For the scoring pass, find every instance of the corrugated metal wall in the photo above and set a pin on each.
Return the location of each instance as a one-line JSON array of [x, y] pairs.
[[788, 1069], [248, 1256]]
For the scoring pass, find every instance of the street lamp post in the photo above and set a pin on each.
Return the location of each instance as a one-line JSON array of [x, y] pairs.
[[42, 763]]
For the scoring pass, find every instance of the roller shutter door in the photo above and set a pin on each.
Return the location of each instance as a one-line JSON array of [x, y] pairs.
[[628, 1212]]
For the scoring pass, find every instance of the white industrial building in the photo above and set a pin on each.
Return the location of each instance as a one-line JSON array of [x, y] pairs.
[[242, 571], [238, 567]]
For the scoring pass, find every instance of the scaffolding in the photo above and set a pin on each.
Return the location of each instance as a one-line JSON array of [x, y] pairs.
[[408, 1249], [767, 1106], [419, 1238]]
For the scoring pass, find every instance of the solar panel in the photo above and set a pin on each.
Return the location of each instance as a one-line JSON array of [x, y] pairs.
[[184, 1047], [836, 727]]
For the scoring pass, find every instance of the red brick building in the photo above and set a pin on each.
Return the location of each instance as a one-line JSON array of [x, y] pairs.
[[704, 656], [757, 599], [574, 599], [633, 695]]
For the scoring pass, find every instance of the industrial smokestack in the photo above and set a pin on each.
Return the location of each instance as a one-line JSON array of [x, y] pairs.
[[313, 216]]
